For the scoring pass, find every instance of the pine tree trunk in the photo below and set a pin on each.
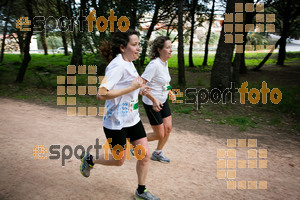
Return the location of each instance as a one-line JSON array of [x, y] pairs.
[[191, 63], [63, 34], [181, 70], [44, 43], [5, 31], [282, 52], [27, 56], [221, 75], [77, 51], [208, 34], [64, 41]]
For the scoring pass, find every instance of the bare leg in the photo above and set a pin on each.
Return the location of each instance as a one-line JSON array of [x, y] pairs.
[[110, 160], [158, 132], [161, 132], [167, 122], [142, 164]]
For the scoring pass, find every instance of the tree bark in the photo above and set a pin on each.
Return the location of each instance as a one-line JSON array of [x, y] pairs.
[[21, 41], [5, 30], [191, 63], [63, 34], [208, 34], [181, 70], [44, 43], [27, 56], [282, 52], [239, 60], [239, 66], [65, 44], [133, 17], [285, 31], [221, 75], [77, 51]]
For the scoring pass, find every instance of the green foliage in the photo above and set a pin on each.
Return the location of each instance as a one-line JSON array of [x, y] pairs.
[[256, 39]]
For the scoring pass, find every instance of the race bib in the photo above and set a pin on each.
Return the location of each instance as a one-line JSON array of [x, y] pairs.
[[167, 87], [134, 105]]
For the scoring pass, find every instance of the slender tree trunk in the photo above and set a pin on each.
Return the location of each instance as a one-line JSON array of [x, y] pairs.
[[285, 31], [257, 68], [238, 59], [63, 34], [191, 64], [133, 17], [170, 24], [21, 41], [221, 75], [282, 52], [181, 70], [77, 52], [208, 34], [27, 56], [5, 30], [44, 43], [90, 46], [69, 12], [65, 44], [72, 41], [239, 66], [148, 35]]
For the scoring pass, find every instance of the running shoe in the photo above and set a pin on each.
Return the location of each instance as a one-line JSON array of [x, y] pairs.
[[85, 167], [159, 156], [146, 195]]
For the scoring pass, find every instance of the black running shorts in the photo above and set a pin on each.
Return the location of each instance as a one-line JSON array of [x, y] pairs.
[[156, 118], [119, 136]]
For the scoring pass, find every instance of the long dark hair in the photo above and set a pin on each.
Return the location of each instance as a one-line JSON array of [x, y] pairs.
[[158, 43], [109, 50]]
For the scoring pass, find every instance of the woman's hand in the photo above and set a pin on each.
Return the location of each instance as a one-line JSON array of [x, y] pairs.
[[144, 90], [136, 83], [157, 105]]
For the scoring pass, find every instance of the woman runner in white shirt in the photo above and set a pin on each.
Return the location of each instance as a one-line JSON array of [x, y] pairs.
[[157, 77], [120, 92]]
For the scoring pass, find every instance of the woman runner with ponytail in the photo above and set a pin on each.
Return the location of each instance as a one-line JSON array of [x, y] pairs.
[[120, 92]]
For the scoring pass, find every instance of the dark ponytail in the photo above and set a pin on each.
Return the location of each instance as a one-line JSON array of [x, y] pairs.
[[109, 50]]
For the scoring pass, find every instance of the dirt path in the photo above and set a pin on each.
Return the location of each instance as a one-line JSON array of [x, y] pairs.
[[192, 148]]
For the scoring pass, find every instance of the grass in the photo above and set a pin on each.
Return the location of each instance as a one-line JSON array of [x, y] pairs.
[[243, 122]]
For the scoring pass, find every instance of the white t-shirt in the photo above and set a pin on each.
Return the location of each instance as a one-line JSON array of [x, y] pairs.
[[122, 111], [158, 77]]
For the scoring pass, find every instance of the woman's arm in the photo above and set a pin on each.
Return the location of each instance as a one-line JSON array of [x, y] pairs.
[[104, 94], [157, 105]]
